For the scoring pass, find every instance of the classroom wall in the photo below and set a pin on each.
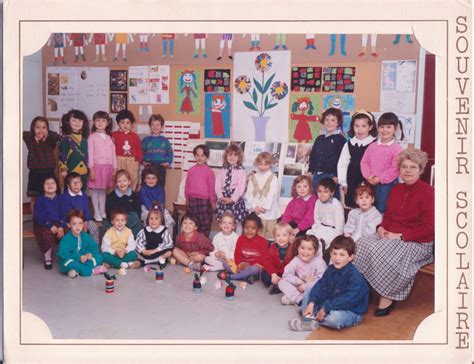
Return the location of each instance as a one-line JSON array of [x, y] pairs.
[[367, 79]]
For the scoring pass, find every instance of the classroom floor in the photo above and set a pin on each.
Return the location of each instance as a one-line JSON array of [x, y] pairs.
[[141, 309]]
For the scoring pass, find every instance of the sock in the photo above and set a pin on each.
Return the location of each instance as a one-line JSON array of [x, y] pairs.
[[47, 255]]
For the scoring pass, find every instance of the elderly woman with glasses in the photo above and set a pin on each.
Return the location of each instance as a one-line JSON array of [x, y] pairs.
[[403, 244]]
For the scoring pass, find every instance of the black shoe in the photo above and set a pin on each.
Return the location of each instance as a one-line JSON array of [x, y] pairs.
[[274, 289], [252, 279], [48, 265], [379, 312], [230, 57], [219, 58]]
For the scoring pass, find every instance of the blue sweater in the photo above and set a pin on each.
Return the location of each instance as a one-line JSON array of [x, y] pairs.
[[325, 154], [341, 289], [157, 149], [47, 212], [69, 202], [150, 194]]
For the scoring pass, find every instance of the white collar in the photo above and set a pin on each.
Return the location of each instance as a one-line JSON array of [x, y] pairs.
[[335, 132], [157, 230], [387, 144], [120, 194], [306, 198], [362, 142], [72, 194]]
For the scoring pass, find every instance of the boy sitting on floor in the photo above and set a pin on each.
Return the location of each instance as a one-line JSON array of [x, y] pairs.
[[340, 297]]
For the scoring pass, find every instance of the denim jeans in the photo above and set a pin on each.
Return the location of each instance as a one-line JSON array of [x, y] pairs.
[[382, 190], [318, 177]]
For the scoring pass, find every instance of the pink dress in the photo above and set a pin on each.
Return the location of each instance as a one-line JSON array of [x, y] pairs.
[[102, 159]]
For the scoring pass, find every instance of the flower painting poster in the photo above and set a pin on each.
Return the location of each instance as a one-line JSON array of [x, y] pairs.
[[217, 115], [188, 91], [260, 98]]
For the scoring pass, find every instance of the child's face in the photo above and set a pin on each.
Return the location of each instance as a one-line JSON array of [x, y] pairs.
[[76, 124], [386, 132], [302, 189], [75, 185], [282, 237], [227, 225], [40, 129], [151, 180], [123, 183], [324, 193], [50, 186], [364, 201], [263, 167], [76, 224], [250, 229], [154, 220], [100, 124], [362, 128], [330, 123], [188, 226], [125, 125], [119, 221], [306, 251], [232, 159], [200, 157], [340, 258], [155, 127]]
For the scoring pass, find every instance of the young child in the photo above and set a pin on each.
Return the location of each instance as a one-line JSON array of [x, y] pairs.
[[327, 148], [191, 246], [340, 297], [127, 146], [224, 244], [328, 213], [48, 226], [118, 244], [74, 198], [299, 212], [157, 150], [73, 151], [304, 270], [230, 186], [251, 253], [262, 193], [41, 143], [362, 133], [379, 163], [364, 220], [78, 253], [123, 197], [152, 193], [200, 191], [154, 242], [280, 255], [102, 162]]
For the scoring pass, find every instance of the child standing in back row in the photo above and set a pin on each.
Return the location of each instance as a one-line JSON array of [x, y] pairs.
[[157, 150], [379, 163]]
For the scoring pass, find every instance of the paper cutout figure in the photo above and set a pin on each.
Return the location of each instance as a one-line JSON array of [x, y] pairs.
[[200, 44], [309, 42], [186, 83], [121, 39], [373, 44], [59, 41], [100, 40], [342, 40], [168, 38], [280, 40], [226, 37], [299, 108], [144, 42], [398, 37], [254, 41], [78, 40], [217, 116]]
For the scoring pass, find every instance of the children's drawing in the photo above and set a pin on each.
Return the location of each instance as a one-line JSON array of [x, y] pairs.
[[78, 40], [373, 45], [217, 116], [188, 95], [226, 37], [280, 41], [200, 44], [304, 117], [121, 41], [346, 103], [144, 41], [338, 79], [306, 79], [399, 36], [309, 41], [254, 41], [217, 80], [342, 44], [260, 91], [59, 41], [168, 39], [100, 40]]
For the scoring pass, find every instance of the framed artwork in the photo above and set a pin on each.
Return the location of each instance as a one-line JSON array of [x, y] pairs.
[[118, 80], [118, 102]]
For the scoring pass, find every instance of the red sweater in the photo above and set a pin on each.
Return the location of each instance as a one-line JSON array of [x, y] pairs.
[[274, 264], [252, 251], [410, 212], [134, 142], [198, 243]]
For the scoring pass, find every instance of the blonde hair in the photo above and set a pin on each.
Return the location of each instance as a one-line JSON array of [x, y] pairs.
[[416, 156], [282, 226], [233, 149], [230, 215], [121, 172], [263, 157]]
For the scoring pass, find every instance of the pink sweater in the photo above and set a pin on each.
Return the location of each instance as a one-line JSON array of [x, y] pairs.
[[381, 160], [200, 183], [101, 150], [238, 181], [301, 212]]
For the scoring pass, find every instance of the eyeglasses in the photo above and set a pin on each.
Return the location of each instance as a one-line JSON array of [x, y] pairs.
[[410, 168]]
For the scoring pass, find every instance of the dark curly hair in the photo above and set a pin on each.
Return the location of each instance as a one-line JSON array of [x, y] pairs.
[[76, 114]]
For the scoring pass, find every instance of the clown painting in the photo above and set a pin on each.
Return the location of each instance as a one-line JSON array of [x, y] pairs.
[[217, 116]]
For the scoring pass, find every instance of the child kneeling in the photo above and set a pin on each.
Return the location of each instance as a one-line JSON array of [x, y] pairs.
[[78, 253], [340, 297], [118, 245]]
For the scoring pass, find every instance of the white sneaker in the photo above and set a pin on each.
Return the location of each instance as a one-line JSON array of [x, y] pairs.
[[124, 265], [285, 300], [72, 273]]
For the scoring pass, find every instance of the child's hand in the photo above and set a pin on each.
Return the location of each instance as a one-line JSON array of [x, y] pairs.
[[120, 253], [275, 278], [321, 314], [243, 265], [382, 232], [347, 235], [165, 165], [344, 189], [226, 200], [146, 252], [60, 233], [335, 179], [63, 174], [375, 180], [91, 174], [309, 310], [54, 229], [83, 258], [89, 256], [295, 232], [86, 226], [301, 288]]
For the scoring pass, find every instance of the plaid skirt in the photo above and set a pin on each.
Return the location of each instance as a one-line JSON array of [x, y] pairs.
[[202, 210], [45, 238], [237, 208], [390, 265]]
